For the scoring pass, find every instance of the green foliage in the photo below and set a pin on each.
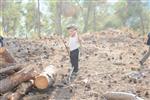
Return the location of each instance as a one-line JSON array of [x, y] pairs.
[[11, 16], [29, 14], [20, 18]]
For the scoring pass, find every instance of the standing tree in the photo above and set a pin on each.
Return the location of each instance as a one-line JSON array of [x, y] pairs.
[[58, 17], [38, 25], [10, 16], [86, 17]]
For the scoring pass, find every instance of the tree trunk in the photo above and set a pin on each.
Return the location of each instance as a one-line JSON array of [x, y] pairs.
[[87, 18], [2, 7], [94, 18], [14, 27], [39, 35], [142, 23], [58, 17], [12, 81], [46, 78]]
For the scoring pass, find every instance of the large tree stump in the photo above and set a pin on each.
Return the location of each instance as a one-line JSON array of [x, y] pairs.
[[12, 81], [46, 78]]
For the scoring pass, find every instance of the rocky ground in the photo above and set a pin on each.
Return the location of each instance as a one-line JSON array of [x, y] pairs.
[[109, 62]]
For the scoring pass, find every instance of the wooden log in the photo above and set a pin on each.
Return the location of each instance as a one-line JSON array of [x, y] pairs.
[[7, 56], [46, 78], [22, 89], [121, 96], [10, 69], [12, 81], [6, 59]]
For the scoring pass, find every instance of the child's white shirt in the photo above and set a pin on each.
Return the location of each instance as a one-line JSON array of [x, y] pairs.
[[74, 43]]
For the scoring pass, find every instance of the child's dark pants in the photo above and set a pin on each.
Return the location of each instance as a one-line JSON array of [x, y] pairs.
[[74, 58]]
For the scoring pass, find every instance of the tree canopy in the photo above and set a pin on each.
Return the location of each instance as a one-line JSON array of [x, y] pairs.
[[46, 17]]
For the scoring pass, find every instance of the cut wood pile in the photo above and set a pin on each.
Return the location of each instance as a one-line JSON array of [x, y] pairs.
[[109, 68]]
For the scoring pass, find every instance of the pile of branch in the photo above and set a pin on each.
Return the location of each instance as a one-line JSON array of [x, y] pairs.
[[21, 80]]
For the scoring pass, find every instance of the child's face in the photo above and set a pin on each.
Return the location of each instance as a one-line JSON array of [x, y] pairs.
[[72, 32]]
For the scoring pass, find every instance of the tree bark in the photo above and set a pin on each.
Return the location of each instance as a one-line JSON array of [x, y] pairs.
[[12, 81], [6, 58], [46, 78], [10, 69], [22, 89]]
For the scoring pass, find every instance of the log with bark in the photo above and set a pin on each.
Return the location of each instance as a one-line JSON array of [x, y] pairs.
[[10, 69], [7, 56], [46, 78], [6, 59], [22, 89], [12, 81]]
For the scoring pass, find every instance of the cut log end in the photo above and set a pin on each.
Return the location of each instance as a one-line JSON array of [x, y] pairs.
[[46, 78], [41, 82]]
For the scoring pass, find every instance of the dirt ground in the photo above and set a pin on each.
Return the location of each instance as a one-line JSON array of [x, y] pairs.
[[108, 60]]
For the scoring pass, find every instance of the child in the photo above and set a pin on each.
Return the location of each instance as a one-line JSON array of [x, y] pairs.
[[1, 41], [74, 44], [148, 53]]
